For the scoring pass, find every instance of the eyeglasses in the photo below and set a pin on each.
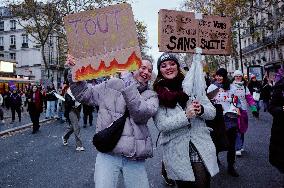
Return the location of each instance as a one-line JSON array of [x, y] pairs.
[[239, 76]]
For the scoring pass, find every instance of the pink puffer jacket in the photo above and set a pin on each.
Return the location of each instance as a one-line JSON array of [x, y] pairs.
[[112, 97]]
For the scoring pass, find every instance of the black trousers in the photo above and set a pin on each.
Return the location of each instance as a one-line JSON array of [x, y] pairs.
[[35, 119], [1, 114], [231, 135], [85, 117], [202, 178], [18, 110]]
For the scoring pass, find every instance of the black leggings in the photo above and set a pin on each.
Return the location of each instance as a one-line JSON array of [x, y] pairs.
[[231, 135], [202, 178]]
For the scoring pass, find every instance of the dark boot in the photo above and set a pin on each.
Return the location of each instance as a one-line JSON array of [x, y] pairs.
[[168, 181], [232, 171]]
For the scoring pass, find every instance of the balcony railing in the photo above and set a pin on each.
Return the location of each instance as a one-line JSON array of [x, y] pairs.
[[25, 45], [12, 47], [274, 38]]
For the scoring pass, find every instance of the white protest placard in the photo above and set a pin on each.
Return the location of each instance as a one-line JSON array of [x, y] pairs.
[[181, 31]]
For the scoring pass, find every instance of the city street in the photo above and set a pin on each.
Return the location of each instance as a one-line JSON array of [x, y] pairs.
[[41, 160]]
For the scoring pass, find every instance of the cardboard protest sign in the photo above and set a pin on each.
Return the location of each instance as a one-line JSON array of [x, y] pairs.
[[102, 41], [180, 31]]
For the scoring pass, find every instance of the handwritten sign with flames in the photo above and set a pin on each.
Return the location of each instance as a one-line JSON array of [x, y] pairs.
[[180, 31], [103, 41]]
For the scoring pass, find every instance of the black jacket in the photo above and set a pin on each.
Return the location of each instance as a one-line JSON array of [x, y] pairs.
[[265, 92], [69, 105], [276, 147], [50, 95], [254, 86], [15, 100], [218, 134]]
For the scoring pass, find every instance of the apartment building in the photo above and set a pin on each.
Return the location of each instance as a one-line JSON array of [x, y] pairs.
[[23, 49], [262, 38]]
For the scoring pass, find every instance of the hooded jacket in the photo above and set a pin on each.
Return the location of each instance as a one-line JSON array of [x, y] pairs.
[[113, 97]]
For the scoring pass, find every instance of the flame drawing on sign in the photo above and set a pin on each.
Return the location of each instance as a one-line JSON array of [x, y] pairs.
[[88, 72]]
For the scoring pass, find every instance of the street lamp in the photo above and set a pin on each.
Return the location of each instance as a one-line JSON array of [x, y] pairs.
[[240, 45]]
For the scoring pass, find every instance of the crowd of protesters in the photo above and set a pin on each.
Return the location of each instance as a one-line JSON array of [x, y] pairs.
[[177, 117], [35, 99], [190, 150]]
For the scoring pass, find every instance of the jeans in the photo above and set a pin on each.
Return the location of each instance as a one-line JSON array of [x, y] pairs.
[[108, 167], [240, 141], [257, 105], [265, 105], [50, 109], [74, 127]]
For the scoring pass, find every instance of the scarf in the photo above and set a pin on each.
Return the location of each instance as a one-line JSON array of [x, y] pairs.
[[238, 84], [219, 85], [170, 93], [37, 100]]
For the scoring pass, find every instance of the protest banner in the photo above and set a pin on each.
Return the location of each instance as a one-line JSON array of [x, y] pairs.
[[102, 41], [181, 31]]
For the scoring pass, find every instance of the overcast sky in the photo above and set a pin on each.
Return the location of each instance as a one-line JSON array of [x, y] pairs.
[[147, 11]]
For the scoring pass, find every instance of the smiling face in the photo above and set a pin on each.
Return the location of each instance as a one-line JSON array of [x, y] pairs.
[[144, 73], [219, 79], [238, 78], [169, 69]]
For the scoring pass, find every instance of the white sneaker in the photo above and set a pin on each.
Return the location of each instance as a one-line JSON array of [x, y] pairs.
[[80, 149], [239, 153], [64, 141]]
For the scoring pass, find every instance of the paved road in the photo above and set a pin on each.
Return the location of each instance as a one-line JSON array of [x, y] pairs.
[[41, 160]]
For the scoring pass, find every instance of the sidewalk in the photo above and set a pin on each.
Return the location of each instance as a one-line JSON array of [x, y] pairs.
[[7, 127]]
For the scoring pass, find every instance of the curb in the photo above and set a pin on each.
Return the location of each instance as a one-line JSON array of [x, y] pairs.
[[28, 125]]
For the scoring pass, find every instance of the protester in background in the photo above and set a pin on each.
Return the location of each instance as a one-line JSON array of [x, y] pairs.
[[113, 97], [43, 91], [265, 94], [72, 115], [223, 95], [254, 86], [189, 155], [15, 104], [60, 108], [7, 99], [88, 114], [276, 108], [50, 98], [239, 89], [35, 108], [1, 110], [23, 97]]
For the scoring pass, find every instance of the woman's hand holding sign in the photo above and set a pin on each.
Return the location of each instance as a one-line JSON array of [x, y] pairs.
[[70, 61]]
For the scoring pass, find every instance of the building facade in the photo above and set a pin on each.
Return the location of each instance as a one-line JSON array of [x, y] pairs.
[[18, 46], [262, 38]]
